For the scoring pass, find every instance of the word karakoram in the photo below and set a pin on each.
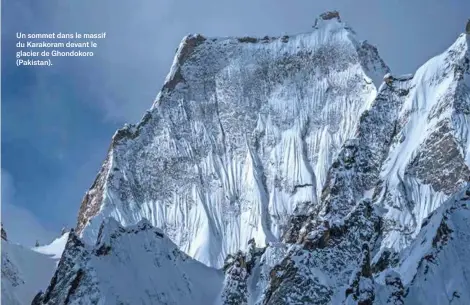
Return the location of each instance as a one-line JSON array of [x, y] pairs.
[[68, 44]]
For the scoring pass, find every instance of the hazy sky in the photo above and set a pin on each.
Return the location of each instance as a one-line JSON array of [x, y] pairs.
[[57, 121]]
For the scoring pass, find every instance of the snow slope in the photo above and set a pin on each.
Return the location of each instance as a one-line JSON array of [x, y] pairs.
[[27, 271], [24, 273], [133, 265], [240, 137], [55, 248], [436, 266]]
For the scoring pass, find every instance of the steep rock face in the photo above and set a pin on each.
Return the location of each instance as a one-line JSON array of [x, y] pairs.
[[319, 270], [243, 274], [133, 265], [409, 154], [429, 157], [391, 291], [247, 274], [235, 291], [240, 138], [361, 290]]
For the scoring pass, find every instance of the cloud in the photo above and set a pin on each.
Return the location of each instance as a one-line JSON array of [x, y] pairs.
[[21, 225]]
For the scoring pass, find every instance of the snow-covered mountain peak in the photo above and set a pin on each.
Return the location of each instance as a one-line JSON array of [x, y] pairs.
[[408, 156], [241, 135], [432, 132], [461, 45], [329, 15], [111, 231]]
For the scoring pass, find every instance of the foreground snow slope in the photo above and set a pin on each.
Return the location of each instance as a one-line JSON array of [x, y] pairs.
[[133, 265], [240, 137], [24, 273], [435, 268]]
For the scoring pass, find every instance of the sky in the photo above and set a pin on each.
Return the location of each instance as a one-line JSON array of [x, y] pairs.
[[57, 122]]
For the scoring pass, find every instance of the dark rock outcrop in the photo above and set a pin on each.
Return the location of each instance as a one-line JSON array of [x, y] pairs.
[[238, 268], [4, 234], [361, 289]]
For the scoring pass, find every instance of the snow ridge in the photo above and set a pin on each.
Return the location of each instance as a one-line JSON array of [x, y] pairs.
[[132, 265]]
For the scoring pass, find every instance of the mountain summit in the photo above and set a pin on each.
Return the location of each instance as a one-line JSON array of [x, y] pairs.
[[240, 138]]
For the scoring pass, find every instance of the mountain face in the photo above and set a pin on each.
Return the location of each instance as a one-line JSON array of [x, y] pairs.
[[299, 166], [133, 265], [368, 241], [240, 138]]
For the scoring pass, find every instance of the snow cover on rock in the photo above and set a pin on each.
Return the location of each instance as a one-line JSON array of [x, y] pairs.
[[429, 157], [24, 273], [240, 137], [359, 244], [436, 266], [133, 265], [55, 248]]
